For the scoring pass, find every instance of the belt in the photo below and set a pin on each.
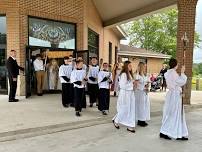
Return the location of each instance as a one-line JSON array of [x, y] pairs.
[[39, 70]]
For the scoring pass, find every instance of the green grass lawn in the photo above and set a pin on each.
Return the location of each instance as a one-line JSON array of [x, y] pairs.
[[194, 84]]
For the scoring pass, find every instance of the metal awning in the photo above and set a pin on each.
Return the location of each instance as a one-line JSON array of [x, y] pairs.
[[116, 12]]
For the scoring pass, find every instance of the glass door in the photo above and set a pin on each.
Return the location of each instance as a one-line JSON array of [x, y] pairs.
[[28, 71], [3, 46], [84, 54]]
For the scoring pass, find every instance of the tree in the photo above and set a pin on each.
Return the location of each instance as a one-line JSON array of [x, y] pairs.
[[157, 32]]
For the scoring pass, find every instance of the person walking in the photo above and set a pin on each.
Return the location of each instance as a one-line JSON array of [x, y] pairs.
[[173, 122], [126, 99], [141, 96], [104, 81], [65, 71]]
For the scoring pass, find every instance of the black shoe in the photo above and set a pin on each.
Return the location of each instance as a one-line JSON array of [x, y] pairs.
[[114, 94], [183, 138], [97, 104], [142, 123], [16, 100], [78, 114], [71, 105], [164, 136], [104, 112], [66, 106], [133, 131], [91, 105], [12, 100], [117, 127], [39, 94]]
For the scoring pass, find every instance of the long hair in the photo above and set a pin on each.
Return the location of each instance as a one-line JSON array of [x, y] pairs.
[[140, 69], [125, 69]]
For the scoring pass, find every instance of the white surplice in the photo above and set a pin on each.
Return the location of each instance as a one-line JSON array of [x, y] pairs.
[[142, 102], [173, 122], [125, 103]]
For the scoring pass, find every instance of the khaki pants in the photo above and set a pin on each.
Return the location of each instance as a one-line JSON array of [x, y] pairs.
[[40, 81]]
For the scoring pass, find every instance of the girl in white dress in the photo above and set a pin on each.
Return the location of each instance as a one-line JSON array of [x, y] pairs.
[[173, 122], [142, 102], [126, 99]]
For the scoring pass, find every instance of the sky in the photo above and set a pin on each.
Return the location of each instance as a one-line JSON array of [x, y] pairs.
[[197, 57]]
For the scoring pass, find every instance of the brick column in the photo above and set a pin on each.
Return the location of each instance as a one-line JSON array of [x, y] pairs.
[[186, 23]]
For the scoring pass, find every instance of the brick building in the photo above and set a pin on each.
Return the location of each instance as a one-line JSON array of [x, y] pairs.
[[63, 27], [91, 17], [153, 60]]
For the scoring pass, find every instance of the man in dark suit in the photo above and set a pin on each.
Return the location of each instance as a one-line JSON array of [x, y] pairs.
[[13, 72]]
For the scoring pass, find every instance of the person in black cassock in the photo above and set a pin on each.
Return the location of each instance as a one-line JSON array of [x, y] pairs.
[[13, 72], [93, 89], [65, 71], [104, 81], [78, 78]]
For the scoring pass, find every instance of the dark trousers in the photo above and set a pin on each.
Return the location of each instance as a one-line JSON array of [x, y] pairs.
[[13, 88], [79, 99], [67, 94], [104, 99], [93, 91]]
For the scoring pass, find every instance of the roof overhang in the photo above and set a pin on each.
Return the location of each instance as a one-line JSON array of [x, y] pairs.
[[120, 32], [116, 12], [141, 54]]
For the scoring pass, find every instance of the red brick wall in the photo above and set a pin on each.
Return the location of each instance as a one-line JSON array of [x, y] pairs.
[[186, 23], [81, 12], [17, 22]]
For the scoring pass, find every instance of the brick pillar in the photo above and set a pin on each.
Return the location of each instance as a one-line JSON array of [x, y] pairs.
[[186, 23]]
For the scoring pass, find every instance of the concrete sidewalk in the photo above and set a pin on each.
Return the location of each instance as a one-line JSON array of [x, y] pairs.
[[42, 115], [105, 138]]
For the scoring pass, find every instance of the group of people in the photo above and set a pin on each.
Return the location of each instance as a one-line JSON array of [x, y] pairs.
[[133, 105], [133, 102], [75, 76]]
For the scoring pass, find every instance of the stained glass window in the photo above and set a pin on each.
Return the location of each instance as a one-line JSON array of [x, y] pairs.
[[54, 34]]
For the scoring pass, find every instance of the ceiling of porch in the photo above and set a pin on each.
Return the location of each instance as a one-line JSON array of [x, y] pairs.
[[114, 12]]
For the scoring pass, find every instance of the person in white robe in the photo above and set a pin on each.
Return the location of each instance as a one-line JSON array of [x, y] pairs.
[[126, 100], [141, 96], [116, 72], [173, 122], [53, 75]]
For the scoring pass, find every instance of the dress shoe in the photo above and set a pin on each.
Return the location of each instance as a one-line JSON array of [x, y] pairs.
[[12, 100], [78, 114], [39, 94], [133, 131], [71, 105], [183, 138], [164, 136], [16, 100], [115, 125], [142, 123], [104, 112], [91, 105], [66, 106]]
